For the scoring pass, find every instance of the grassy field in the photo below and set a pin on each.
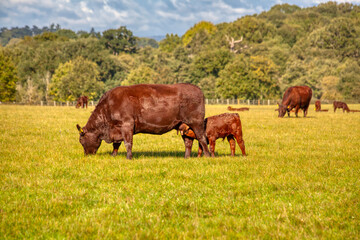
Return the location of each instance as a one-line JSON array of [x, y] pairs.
[[300, 180]]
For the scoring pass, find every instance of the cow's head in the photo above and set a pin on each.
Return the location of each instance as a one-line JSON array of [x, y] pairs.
[[90, 141], [282, 110]]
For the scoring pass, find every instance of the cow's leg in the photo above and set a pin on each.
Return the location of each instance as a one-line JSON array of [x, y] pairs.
[[296, 111], [200, 135], [116, 148], [288, 112], [334, 109], [127, 132], [306, 110], [232, 145], [200, 150], [188, 145], [212, 146]]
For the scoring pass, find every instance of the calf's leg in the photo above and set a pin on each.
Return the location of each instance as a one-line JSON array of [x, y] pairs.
[[232, 145], [188, 145], [116, 148], [200, 151], [241, 144], [212, 146]]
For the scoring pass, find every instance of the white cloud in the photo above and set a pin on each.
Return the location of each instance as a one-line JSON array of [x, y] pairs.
[[84, 8]]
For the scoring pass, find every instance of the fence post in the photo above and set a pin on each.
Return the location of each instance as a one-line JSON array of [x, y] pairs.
[[268, 101], [227, 100], [41, 103], [67, 103], [92, 103], [54, 103]]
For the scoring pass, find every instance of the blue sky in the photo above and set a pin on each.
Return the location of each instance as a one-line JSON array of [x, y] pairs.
[[142, 17]]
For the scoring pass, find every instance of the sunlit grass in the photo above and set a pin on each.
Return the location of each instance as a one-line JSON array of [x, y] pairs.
[[299, 180]]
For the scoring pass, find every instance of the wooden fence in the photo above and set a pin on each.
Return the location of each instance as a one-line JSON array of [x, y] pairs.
[[207, 101]]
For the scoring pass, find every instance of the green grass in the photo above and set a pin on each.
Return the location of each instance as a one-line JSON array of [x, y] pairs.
[[300, 180]]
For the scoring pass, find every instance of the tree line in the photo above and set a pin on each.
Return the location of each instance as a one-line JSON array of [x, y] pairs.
[[254, 57]]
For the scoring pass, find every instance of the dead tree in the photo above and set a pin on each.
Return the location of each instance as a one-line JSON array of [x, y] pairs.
[[232, 43]]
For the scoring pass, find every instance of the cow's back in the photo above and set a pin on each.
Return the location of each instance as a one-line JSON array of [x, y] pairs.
[[156, 108], [297, 95]]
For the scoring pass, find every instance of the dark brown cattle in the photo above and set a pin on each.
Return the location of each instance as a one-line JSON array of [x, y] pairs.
[[318, 107], [342, 105], [297, 97], [220, 126], [238, 109], [82, 102], [144, 108]]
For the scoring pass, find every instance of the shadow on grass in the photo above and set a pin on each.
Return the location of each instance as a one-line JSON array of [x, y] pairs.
[[299, 117], [175, 154]]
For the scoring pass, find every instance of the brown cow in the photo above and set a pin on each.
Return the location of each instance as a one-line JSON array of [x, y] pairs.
[[144, 108], [318, 107], [82, 102], [297, 97], [342, 105], [238, 109], [220, 126]]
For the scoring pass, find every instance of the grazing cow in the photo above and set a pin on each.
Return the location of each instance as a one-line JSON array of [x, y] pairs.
[[82, 102], [238, 109], [144, 108], [318, 107], [220, 126], [342, 105], [297, 97]]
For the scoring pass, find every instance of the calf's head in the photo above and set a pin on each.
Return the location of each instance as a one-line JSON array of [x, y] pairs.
[[90, 141]]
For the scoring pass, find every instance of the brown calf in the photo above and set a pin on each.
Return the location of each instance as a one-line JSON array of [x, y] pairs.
[[342, 105], [220, 126], [238, 109], [82, 102], [318, 107]]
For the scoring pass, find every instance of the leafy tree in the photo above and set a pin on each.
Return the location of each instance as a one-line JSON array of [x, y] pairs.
[[143, 42], [8, 79], [210, 63], [329, 87], [169, 43], [349, 84], [67, 33], [204, 27], [75, 78], [119, 40], [142, 74], [252, 78]]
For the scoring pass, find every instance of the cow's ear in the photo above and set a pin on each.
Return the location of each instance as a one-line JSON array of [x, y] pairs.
[[288, 107], [81, 131]]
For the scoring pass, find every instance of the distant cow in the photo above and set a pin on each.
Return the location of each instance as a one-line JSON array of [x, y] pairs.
[[220, 126], [342, 105], [318, 107], [297, 97], [82, 102], [144, 108], [238, 109]]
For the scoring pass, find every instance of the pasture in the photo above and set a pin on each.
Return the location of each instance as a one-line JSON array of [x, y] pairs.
[[301, 179]]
